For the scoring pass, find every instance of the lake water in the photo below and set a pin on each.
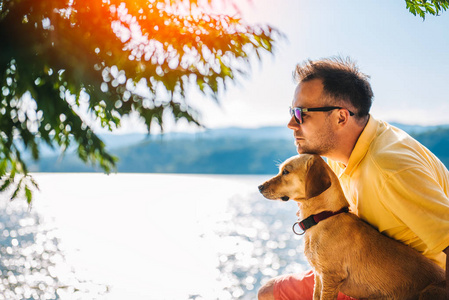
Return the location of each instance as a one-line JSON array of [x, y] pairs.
[[145, 236]]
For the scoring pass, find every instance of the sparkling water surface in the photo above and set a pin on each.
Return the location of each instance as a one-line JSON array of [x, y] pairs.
[[145, 236]]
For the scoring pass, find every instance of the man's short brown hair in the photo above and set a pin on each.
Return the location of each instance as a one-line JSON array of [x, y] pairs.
[[342, 81]]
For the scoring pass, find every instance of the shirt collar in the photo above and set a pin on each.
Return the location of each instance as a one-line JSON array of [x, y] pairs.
[[362, 145]]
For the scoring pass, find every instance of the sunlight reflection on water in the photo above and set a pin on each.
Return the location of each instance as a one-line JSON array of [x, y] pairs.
[[32, 261], [257, 245], [146, 236]]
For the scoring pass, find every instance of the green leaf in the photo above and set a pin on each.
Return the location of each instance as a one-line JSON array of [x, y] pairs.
[[28, 195]]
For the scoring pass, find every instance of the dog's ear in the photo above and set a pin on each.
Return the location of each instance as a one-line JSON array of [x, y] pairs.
[[317, 177]]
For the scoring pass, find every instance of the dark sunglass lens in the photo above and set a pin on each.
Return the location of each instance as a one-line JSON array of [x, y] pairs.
[[298, 115]]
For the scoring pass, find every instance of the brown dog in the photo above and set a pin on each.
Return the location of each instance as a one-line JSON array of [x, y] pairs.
[[347, 254]]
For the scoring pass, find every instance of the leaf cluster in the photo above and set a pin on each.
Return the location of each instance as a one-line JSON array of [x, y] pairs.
[[66, 64], [423, 7]]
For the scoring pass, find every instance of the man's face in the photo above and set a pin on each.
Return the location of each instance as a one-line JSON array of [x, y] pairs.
[[315, 134]]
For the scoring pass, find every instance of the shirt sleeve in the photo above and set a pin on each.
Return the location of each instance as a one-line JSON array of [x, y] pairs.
[[421, 203]]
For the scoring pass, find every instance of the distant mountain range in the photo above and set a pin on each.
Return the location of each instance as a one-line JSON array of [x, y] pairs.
[[217, 151]]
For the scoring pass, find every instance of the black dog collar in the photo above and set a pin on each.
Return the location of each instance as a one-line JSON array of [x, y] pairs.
[[315, 219]]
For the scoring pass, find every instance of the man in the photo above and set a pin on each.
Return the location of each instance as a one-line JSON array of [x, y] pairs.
[[390, 180]]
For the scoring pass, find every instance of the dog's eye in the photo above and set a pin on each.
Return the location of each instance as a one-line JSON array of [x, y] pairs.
[[285, 172]]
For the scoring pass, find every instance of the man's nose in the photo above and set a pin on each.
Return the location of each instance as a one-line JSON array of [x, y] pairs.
[[293, 125]]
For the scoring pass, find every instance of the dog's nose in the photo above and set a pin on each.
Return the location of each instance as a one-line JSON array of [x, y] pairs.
[[261, 187]]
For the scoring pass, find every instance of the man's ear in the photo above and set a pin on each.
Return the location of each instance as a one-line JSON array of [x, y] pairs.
[[317, 177]]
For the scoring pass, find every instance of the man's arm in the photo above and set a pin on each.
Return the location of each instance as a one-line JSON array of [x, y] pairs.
[[447, 272]]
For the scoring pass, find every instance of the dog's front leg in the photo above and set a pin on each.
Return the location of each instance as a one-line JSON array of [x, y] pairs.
[[317, 288]]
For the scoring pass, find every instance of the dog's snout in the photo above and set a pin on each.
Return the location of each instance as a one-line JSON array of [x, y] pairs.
[[261, 188]]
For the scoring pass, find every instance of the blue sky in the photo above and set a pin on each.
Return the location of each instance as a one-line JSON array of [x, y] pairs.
[[406, 57]]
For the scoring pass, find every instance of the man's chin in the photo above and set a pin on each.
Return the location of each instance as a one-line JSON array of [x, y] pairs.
[[300, 149]]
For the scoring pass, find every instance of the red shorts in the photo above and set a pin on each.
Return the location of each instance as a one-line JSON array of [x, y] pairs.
[[298, 287]]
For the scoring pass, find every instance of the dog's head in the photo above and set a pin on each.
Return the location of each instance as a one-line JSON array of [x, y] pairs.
[[300, 178]]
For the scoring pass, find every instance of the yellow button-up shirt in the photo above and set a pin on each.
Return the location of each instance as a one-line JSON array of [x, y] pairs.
[[398, 186]]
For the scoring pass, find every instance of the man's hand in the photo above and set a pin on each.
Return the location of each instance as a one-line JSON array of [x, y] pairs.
[[447, 272]]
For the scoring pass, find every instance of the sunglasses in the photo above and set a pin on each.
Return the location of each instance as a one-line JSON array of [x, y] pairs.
[[296, 112]]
